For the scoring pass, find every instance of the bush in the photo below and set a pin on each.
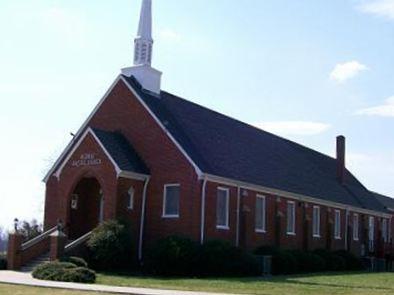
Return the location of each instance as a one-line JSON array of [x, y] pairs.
[[172, 256], [351, 261], [308, 262], [111, 246], [283, 261], [79, 275], [3, 263], [80, 262], [220, 258], [52, 271], [64, 272], [333, 262]]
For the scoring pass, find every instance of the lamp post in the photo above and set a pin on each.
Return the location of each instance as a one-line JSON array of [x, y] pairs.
[[16, 222]]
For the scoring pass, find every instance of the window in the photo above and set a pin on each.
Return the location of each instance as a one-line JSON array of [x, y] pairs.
[[337, 225], [385, 231], [260, 214], [371, 228], [355, 227], [316, 221], [171, 201], [222, 208], [290, 218], [130, 199]]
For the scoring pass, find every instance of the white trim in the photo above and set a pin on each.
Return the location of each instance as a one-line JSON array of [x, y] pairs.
[[293, 221], [227, 225], [289, 195], [356, 237], [164, 215], [80, 130], [264, 217], [316, 235], [203, 197], [130, 195], [143, 207], [119, 172], [180, 148], [337, 231]]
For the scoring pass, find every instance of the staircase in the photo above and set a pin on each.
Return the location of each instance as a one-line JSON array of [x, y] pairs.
[[29, 267]]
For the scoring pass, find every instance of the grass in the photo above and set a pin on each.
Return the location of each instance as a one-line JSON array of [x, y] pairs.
[[22, 290], [322, 284]]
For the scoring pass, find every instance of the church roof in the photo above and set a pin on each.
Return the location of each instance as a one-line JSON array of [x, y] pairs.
[[226, 147], [386, 201], [121, 151]]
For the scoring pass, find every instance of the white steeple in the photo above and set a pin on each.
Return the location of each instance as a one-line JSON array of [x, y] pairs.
[[148, 77]]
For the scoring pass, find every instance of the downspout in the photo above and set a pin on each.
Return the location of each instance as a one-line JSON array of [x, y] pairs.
[[143, 207], [203, 197], [346, 229], [238, 216]]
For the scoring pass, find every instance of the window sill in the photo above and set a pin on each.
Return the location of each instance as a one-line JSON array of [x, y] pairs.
[[338, 238], [260, 231], [222, 227], [290, 234], [170, 216], [317, 236], [130, 208], [356, 240]]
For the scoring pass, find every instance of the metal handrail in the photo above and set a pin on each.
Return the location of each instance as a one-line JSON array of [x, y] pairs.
[[38, 239], [77, 242]]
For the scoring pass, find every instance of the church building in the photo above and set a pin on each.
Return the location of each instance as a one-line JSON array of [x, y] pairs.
[[171, 166]]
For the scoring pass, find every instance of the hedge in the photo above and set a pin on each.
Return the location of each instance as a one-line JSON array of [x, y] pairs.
[[64, 272], [80, 262], [180, 256]]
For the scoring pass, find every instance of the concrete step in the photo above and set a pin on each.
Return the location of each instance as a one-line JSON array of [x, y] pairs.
[[31, 265]]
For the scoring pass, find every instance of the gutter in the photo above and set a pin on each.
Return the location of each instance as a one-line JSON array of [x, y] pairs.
[[238, 215], [203, 197]]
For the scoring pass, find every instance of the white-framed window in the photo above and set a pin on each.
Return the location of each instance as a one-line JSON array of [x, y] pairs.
[[385, 230], [355, 227], [316, 222], [371, 228], [171, 200], [260, 214], [337, 224], [222, 208], [130, 198], [291, 218]]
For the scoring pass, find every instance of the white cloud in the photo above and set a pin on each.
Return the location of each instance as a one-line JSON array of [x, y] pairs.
[[384, 110], [170, 35], [285, 128], [347, 70], [383, 8]]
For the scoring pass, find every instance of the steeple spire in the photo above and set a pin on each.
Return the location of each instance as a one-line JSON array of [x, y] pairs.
[[148, 77], [143, 43]]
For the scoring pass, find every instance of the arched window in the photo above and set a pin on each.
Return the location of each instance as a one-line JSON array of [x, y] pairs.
[[130, 199]]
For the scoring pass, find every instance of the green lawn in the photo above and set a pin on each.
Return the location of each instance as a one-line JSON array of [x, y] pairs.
[[22, 290], [339, 283]]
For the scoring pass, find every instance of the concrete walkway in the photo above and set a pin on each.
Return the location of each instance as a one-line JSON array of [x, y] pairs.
[[20, 278]]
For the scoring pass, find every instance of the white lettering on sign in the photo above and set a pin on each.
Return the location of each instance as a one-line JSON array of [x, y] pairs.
[[86, 160]]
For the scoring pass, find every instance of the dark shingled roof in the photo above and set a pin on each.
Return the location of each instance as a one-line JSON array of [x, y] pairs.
[[121, 151], [386, 201], [226, 147]]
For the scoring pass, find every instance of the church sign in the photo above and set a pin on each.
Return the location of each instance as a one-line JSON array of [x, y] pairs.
[[86, 160]]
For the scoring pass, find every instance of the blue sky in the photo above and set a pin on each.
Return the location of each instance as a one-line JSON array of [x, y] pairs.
[[308, 70]]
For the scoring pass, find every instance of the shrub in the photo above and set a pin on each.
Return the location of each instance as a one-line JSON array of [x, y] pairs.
[[172, 256], [79, 275], [111, 246], [80, 262], [283, 262], [333, 262], [220, 258], [3, 263], [52, 271], [351, 261], [308, 262], [64, 272]]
